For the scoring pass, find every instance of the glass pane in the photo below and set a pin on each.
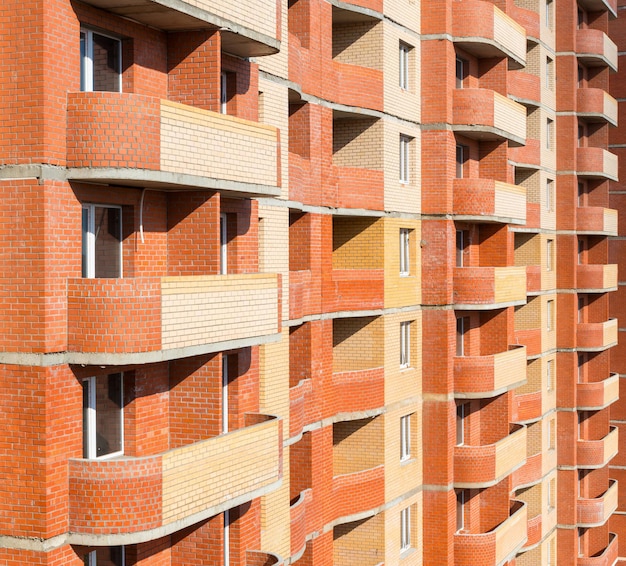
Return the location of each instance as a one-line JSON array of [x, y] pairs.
[[85, 247], [83, 48], [106, 63], [110, 556], [108, 414], [86, 431], [108, 237]]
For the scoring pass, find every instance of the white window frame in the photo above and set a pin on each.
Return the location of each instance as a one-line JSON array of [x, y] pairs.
[[549, 68], [460, 510], [549, 314], [548, 14], [405, 58], [549, 126], [224, 394], [223, 244], [460, 336], [551, 434], [459, 71], [405, 529], [405, 159], [224, 92], [460, 423], [405, 344], [86, 75], [461, 157], [405, 438], [549, 195], [549, 375], [405, 252], [91, 423], [549, 252], [460, 247], [90, 243]]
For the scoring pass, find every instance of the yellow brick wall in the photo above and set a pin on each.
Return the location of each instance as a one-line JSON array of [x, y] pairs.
[[357, 445], [359, 43], [401, 197], [358, 143], [274, 247], [413, 556], [359, 542], [402, 291], [357, 343], [277, 64], [357, 243]]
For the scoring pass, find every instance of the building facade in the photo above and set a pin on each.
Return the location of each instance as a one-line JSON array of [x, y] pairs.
[[340, 293]]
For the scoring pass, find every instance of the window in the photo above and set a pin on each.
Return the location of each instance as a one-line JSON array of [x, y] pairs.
[[404, 252], [103, 418], [549, 315], [106, 556], [461, 413], [549, 195], [581, 309], [461, 71], [102, 241], [462, 153], [550, 495], [405, 529], [405, 165], [461, 241], [549, 251], [549, 14], [223, 244], [224, 93], [581, 251], [100, 62], [461, 498], [582, 76], [549, 73], [582, 193], [462, 326], [549, 124], [549, 557], [405, 344], [581, 367], [405, 51], [551, 434], [405, 438], [582, 135], [549, 375], [224, 394]]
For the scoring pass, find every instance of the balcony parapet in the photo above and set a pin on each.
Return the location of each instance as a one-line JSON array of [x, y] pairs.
[[527, 156], [488, 200], [168, 145], [530, 473], [484, 288], [477, 377], [528, 406], [484, 114], [595, 512], [482, 29], [608, 556], [596, 336], [596, 220], [136, 499], [354, 290], [248, 29], [597, 395], [596, 278], [298, 521], [357, 493], [261, 558], [595, 104], [593, 454], [496, 545], [166, 316], [484, 466], [524, 88], [596, 163], [595, 48], [535, 531]]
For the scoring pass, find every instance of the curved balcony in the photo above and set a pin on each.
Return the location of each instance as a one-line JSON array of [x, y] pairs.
[[298, 521], [484, 466], [248, 29], [530, 473], [477, 377], [167, 145], [529, 19], [595, 512], [596, 220], [532, 339], [484, 288], [534, 531], [354, 290], [596, 163], [528, 406], [527, 156], [358, 390], [596, 278], [482, 29], [166, 316], [123, 496], [357, 86], [298, 407], [261, 558], [369, 484], [484, 114], [596, 105], [595, 49], [592, 454], [485, 199], [496, 545], [608, 556], [596, 336], [524, 88], [598, 394]]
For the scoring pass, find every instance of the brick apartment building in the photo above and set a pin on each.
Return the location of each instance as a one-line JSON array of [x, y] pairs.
[[312, 282]]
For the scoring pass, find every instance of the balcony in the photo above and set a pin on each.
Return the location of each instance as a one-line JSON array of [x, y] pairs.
[[528, 406], [369, 484], [484, 466], [298, 521], [354, 290], [530, 473], [486, 31], [158, 493], [483, 288], [595, 49], [598, 394], [495, 546], [484, 114], [600, 6], [248, 28], [524, 88], [596, 336], [477, 377], [596, 220], [135, 140], [596, 278], [608, 557], [591, 454], [596, 105], [596, 163], [163, 316], [596, 511], [358, 187], [535, 531], [485, 199], [527, 156], [260, 558]]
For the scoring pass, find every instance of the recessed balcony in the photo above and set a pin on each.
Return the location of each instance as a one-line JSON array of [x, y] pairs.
[[484, 466], [607, 557], [495, 546], [164, 316], [162, 493], [596, 105], [596, 278], [524, 88], [595, 49], [596, 220], [358, 187], [484, 114], [596, 163], [485, 31], [484, 288], [477, 377], [595, 512], [488, 200], [248, 29], [600, 6], [591, 454], [597, 395], [596, 336], [136, 140]]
